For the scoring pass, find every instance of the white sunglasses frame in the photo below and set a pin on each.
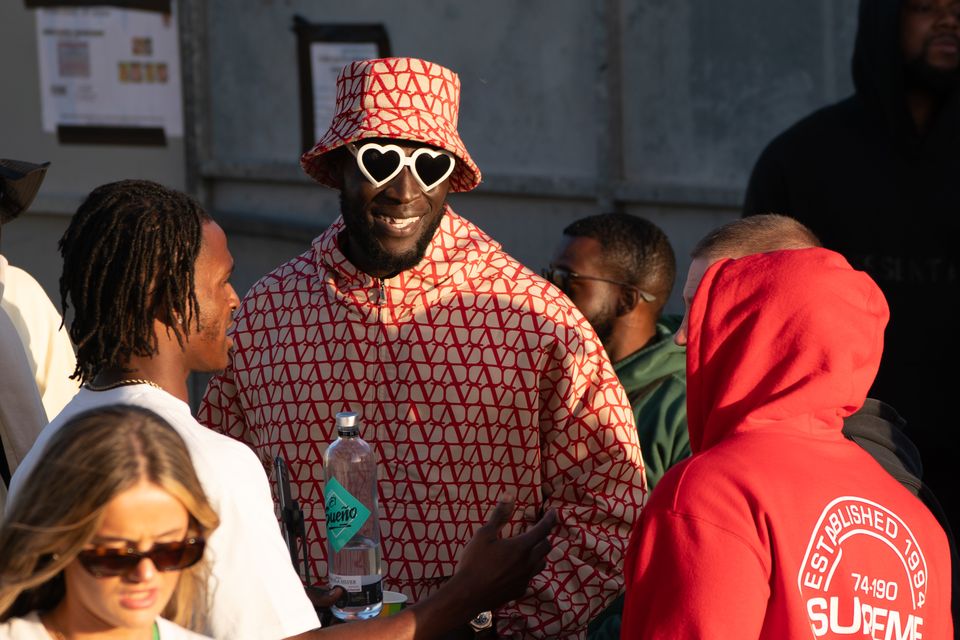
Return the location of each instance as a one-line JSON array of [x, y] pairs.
[[405, 161]]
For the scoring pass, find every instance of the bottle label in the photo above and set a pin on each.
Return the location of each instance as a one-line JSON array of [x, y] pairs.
[[345, 514], [358, 594]]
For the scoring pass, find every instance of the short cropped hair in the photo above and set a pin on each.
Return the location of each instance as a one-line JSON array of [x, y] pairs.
[[635, 250], [755, 234]]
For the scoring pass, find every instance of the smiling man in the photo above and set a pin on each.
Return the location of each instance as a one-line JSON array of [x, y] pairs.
[[471, 374]]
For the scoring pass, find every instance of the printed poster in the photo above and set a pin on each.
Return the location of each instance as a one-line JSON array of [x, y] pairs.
[[108, 67], [326, 61]]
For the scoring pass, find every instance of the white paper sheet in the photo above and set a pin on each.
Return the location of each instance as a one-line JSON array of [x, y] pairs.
[[326, 61], [103, 66]]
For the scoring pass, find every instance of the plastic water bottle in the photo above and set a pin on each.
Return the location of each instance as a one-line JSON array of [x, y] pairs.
[[353, 527]]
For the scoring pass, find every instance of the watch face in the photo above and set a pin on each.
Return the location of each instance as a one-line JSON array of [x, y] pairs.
[[483, 620]]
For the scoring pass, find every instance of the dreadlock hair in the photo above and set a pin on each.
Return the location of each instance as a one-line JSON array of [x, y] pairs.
[[634, 249], [128, 259]]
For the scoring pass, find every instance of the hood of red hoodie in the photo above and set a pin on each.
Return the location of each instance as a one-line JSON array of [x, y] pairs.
[[781, 340]]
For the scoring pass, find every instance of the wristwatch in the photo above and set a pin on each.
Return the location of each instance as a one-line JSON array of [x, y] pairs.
[[482, 625]]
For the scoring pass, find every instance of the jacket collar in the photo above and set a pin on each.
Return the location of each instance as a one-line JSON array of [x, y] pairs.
[[455, 254], [660, 358]]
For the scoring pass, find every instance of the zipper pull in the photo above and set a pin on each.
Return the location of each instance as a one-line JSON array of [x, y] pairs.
[[383, 292]]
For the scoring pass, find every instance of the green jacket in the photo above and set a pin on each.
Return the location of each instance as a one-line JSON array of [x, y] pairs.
[[655, 379]]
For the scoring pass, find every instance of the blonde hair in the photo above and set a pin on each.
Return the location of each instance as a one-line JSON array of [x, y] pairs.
[[93, 458]]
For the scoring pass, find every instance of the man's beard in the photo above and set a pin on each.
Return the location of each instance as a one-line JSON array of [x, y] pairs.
[[921, 75], [360, 231], [602, 323]]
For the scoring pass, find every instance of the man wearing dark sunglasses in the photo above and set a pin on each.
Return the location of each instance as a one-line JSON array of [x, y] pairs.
[[619, 270], [471, 374]]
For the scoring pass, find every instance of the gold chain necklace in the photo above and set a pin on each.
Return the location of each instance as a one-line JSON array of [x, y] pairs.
[[122, 383]]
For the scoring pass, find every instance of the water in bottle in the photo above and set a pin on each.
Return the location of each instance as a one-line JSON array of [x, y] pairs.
[[353, 528]]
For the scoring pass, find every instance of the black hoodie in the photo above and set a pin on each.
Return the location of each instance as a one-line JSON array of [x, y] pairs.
[[879, 429], [863, 179]]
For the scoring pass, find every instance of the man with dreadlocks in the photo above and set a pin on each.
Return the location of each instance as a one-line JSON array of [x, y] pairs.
[[147, 273]]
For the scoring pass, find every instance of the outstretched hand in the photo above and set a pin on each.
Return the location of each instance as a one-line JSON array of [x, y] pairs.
[[494, 571], [491, 572]]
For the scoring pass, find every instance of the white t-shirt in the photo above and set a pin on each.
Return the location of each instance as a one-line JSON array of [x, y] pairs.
[[29, 627], [47, 345], [21, 413], [256, 594]]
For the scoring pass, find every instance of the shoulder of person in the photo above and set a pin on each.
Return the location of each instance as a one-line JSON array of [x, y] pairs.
[[172, 631], [228, 457], [18, 279], [284, 277], [810, 130], [211, 452], [531, 294], [28, 627]]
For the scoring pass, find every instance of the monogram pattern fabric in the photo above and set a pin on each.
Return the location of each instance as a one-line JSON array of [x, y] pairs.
[[397, 98], [472, 377]]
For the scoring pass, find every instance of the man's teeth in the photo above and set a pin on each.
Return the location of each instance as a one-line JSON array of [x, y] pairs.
[[400, 223]]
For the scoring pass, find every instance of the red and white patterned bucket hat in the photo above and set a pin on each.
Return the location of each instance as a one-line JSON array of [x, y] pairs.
[[399, 98]]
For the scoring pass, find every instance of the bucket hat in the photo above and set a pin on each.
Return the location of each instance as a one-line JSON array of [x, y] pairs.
[[398, 98], [19, 183]]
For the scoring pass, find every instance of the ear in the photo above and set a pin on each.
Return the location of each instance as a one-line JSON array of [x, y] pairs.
[[627, 300]]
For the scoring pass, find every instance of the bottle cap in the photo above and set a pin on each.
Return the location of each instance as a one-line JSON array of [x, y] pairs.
[[347, 423]]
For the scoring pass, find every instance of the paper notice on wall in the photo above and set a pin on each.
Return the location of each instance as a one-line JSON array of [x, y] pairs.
[[327, 59], [107, 67]]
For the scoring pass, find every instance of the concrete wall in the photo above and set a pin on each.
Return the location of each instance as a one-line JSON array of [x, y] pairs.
[[30, 241], [569, 107]]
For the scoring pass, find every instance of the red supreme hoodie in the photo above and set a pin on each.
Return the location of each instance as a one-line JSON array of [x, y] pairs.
[[777, 526]]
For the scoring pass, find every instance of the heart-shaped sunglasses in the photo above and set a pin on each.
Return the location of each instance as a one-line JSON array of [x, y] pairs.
[[380, 163]]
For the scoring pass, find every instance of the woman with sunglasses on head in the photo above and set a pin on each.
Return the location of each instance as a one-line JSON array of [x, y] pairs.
[[107, 535]]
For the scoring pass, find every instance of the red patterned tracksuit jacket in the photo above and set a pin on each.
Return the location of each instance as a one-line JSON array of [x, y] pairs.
[[472, 376]]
